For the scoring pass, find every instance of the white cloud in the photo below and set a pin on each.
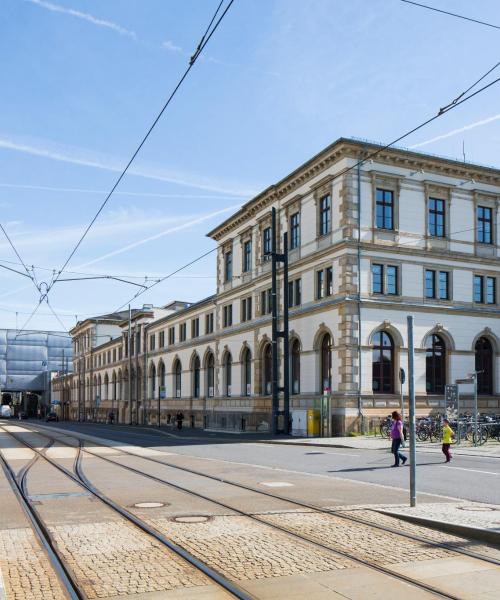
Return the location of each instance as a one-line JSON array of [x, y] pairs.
[[87, 158], [84, 16], [169, 45], [45, 188], [457, 131], [191, 223]]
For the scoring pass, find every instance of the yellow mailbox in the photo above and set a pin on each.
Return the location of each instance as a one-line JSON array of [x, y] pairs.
[[313, 422]]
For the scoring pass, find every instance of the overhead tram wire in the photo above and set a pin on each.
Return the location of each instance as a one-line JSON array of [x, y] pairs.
[[451, 14], [190, 263], [199, 49]]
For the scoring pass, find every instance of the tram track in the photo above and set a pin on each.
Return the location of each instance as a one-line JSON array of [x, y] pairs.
[[79, 478], [301, 504], [254, 517], [61, 568]]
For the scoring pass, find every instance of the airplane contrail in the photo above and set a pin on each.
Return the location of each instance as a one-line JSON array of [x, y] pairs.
[[457, 131]]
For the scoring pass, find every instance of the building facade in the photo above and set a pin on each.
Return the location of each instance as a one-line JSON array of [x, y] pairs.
[[402, 233]]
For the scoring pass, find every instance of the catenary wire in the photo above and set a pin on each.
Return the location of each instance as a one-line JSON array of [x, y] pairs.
[[204, 41], [18, 255], [451, 14]]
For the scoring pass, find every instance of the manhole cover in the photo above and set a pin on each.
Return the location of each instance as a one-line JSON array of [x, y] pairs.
[[191, 519], [149, 504], [478, 508]]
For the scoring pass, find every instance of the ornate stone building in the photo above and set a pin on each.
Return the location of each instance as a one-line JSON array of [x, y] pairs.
[[403, 233]]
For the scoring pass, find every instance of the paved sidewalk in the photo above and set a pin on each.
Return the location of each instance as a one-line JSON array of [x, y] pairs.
[[481, 521], [490, 449]]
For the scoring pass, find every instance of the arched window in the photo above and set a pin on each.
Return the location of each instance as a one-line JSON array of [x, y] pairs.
[[178, 379], [295, 367], [326, 363], [152, 380], [106, 387], [247, 372], [267, 370], [383, 363], [210, 375], [484, 364], [196, 377], [97, 387], [228, 367], [435, 373]]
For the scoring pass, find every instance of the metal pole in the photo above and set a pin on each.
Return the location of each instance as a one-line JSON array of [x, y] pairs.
[[159, 394], [274, 341], [286, 346], [475, 408], [411, 394], [129, 367]]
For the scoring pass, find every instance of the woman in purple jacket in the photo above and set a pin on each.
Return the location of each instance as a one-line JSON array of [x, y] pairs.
[[397, 438]]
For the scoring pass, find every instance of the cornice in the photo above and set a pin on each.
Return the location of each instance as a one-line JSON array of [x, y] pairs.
[[346, 148]]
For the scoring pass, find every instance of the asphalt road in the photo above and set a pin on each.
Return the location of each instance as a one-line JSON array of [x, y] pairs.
[[468, 478]]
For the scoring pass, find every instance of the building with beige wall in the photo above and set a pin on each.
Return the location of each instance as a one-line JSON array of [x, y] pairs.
[[402, 233]]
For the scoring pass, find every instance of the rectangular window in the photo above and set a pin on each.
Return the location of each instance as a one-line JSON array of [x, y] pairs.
[[246, 309], [444, 285], [171, 336], [195, 328], [385, 209], [430, 283], [436, 217], [162, 339], [392, 280], [320, 284], [266, 301], [209, 323], [227, 315], [120, 353], [228, 266], [109, 356], [266, 243], [295, 231], [478, 289], [138, 343], [329, 281], [247, 256], [294, 293], [324, 215], [114, 354], [182, 332], [484, 225], [378, 279], [490, 290], [152, 341]]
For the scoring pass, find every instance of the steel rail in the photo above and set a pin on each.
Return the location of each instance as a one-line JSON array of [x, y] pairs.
[[423, 539], [58, 563], [386, 571], [82, 481]]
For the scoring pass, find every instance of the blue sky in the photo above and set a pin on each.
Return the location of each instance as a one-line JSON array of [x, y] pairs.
[[81, 81]]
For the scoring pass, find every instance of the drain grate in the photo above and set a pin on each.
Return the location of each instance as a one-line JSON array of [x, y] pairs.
[[478, 508]]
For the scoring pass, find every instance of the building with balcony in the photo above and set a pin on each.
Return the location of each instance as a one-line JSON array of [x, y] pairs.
[[402, 233]]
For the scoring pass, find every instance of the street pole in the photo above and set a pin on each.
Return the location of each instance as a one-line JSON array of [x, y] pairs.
[[129, 367], [475, 407], [159, 398], [286, 340], [411, 394], [274, 328]]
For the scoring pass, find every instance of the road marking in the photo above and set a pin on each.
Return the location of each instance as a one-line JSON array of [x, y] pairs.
[[474, 470]]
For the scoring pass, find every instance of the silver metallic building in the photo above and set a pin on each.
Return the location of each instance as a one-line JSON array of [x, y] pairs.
[[28, 359]]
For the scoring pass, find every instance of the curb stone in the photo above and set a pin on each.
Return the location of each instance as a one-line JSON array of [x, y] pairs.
[[476, 533]]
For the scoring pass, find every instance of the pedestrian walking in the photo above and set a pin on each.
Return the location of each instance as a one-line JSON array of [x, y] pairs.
[[179, 418], [448, 433], [397, 438]]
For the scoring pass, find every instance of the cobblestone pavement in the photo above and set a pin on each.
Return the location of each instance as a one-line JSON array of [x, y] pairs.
[[113, 559], [26, 570], [241, 549], [372, 515], [361, 541]]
